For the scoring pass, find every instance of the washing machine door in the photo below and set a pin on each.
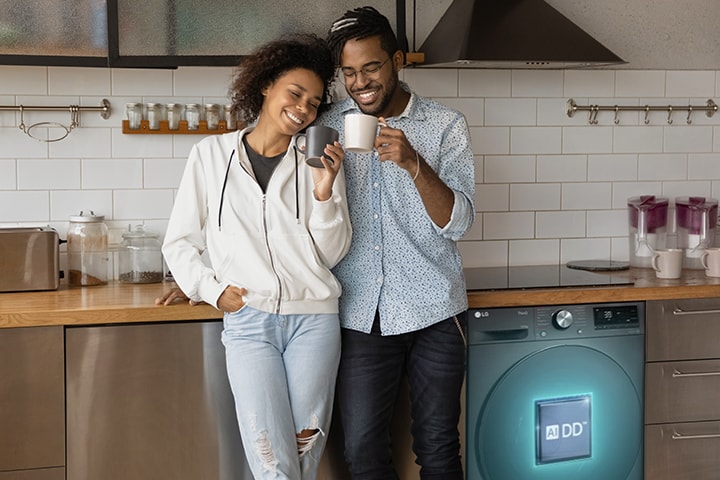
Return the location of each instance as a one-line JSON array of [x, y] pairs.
[[566, 412]]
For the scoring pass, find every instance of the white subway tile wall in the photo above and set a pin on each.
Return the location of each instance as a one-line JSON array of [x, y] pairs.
[[550, 188]]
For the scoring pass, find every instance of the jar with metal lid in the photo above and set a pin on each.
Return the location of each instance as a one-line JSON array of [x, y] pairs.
[[134, 113], [154, 115], [192, 115], [173, 115], [87, 248], [230, 118], [140, 257], [212, 115]]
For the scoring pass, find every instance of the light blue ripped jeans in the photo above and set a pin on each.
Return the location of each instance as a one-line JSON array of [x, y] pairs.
[[282, 371]]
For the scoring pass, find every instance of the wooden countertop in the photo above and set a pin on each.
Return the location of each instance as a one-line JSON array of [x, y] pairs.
[[130, 303], [112, 303]]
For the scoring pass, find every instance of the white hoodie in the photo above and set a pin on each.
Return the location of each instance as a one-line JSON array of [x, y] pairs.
[[279, 245]]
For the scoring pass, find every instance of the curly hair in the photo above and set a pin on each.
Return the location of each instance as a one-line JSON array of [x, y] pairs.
[[358, 24], [271, 61]]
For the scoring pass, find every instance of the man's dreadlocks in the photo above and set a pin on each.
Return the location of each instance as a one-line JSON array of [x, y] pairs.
[[358, 24]]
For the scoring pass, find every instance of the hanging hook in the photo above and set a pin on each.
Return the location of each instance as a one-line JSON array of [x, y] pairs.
[[617, 119], [647, 114], [74, 116], [594, 110], [669, 120], [22, 119], [689, 113]]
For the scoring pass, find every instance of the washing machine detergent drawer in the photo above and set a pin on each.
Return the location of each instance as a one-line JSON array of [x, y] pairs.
[[555, 393]]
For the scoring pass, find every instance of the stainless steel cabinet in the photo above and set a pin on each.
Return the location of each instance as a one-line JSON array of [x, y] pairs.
[[150, 401], [32, 416], [682, 390], [41, 474]]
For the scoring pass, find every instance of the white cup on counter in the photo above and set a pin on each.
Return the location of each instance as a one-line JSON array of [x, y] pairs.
[[667, 263], [711, 261]]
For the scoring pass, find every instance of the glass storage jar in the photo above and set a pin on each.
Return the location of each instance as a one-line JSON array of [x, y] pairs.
[[134, 113], [173, 115], [154, 115], [230, 118], [140, 257], [212, 115], [192, 115], [87, 248]]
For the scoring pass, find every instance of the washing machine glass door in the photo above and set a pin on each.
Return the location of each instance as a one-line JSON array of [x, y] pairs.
[[564, 412]]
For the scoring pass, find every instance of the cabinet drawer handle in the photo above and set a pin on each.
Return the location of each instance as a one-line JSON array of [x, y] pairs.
[[680, 311], [680, 436], [678, 374]]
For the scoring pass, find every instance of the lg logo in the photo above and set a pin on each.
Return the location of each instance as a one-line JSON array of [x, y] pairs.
[[565, 430]]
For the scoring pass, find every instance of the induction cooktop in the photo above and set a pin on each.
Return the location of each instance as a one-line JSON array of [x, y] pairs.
[[540, 276]]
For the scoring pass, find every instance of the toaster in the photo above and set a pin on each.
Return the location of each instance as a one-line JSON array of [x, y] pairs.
[[29, 259]]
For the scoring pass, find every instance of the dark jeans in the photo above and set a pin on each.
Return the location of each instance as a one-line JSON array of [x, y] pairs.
[[371, 371]]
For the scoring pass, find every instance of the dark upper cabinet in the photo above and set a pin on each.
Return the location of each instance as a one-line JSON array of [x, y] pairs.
[[57, 32], [160, 33]]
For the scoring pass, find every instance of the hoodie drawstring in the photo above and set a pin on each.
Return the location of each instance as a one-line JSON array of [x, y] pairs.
[[222, 192], [297, 195]]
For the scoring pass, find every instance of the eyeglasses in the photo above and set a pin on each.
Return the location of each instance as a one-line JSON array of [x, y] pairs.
[[369, 71]]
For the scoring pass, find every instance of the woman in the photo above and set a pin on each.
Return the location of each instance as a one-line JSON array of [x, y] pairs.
[[272, 228]]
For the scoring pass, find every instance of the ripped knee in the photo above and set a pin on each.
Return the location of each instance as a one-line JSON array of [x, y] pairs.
[[265, 452], [306, 440]]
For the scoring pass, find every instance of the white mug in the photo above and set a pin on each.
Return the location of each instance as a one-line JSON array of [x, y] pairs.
[[668, 263], [360, 132], [711, 261]]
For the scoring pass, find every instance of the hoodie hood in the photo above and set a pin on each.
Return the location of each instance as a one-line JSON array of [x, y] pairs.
[[511, 34]]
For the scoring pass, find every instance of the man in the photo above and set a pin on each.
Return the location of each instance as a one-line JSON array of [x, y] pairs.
[[403, 301]]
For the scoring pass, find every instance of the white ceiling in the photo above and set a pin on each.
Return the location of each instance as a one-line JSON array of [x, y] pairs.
[[648, 34]]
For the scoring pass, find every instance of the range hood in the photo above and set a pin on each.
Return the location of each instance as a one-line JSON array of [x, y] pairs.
[[510, 34]]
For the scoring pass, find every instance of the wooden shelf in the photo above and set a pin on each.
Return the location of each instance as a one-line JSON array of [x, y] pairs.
[[182, 129]]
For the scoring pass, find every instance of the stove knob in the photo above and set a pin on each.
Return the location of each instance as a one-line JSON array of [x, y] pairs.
[[562, 319]]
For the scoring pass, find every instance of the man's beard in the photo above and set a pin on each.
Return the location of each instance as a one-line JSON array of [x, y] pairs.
[[387, 95]]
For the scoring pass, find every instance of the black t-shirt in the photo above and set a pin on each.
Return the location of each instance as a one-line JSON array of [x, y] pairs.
[[262, 166]]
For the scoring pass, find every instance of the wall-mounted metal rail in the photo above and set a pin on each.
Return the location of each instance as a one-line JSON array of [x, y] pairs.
[[709, 108], [74, 110]]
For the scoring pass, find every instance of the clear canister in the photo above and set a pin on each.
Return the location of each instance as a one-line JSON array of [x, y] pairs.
[[140, 257], [87, 248], [212, 115], [134, 113], [173, 115], [192, 115], [154, 115], [230, 118]]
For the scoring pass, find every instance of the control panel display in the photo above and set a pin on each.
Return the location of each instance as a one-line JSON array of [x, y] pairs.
[[616, 316]]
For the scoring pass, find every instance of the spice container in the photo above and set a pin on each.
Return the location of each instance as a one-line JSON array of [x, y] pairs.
[[87, 248], [154, 115], [140, 257], [212, 115], [173, 115], [192, 115], [134, 113], [230, 118]]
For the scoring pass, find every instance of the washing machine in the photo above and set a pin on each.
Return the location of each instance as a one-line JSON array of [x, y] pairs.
[[555, 392]]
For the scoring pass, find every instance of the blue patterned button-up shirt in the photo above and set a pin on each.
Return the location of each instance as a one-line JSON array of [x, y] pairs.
[[400, 262]]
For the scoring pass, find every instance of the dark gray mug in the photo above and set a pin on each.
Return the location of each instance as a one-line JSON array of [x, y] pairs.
[[316, 138]]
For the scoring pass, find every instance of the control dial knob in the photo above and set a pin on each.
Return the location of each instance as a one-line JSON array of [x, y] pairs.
[[562, 319]]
